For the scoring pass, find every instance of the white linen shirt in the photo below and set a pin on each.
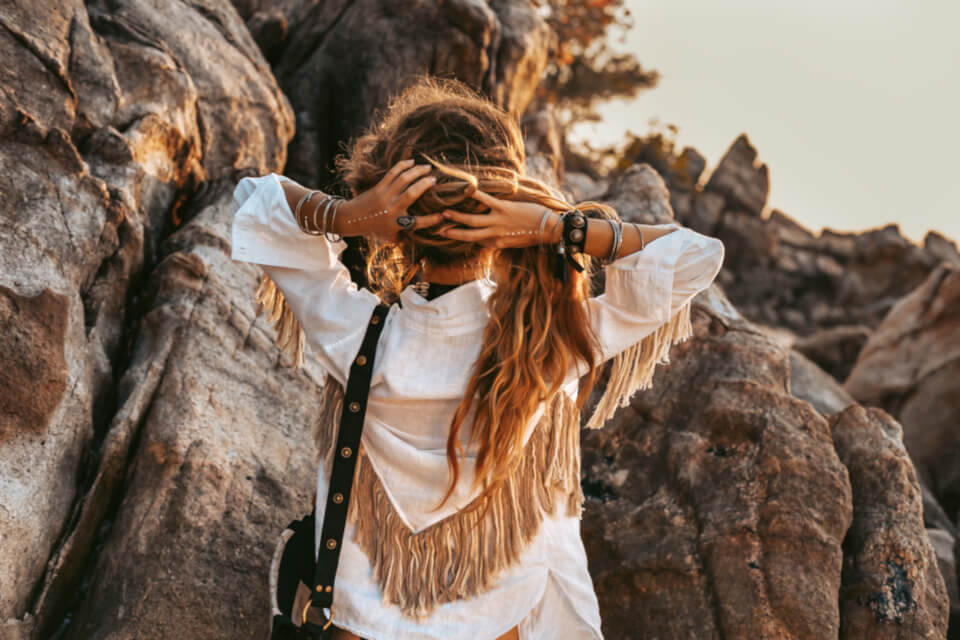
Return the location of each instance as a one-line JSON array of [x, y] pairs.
[[423, 362]]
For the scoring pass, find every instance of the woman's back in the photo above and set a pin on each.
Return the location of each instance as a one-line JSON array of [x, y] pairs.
[[408, 571], [463, 521]]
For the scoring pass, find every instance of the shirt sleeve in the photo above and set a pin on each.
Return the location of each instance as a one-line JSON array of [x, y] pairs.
[[332, 310], [646, 288]]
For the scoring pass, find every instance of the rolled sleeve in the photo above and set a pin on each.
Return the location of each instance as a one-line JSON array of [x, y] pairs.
[[646, 288], [332, 310]]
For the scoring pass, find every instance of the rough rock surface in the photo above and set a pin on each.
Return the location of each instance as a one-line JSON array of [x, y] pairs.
[[152, 443], [110, 116], [910, 367], [218, 434], [344, 60], [777, 272], [738, 511], [892, 586], [721, 503], [718, 513]]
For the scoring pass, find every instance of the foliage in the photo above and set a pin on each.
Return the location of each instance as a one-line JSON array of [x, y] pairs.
[[583, 69]]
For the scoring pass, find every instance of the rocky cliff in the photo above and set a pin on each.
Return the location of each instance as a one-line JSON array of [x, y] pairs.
[[790, 475]]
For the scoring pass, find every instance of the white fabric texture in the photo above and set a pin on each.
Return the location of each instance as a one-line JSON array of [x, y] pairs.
[[422, 366]]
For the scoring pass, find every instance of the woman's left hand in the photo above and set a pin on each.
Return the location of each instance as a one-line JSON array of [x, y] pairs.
[[375, 212], [510, 223]]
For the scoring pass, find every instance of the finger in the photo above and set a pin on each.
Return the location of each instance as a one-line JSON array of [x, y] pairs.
[[396, 169], [469, 235], [469, 219], [415, 190], [486, 198], [408, 176], [428, 220]]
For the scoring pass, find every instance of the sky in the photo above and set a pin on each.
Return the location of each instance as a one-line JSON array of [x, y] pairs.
[[853, 105]]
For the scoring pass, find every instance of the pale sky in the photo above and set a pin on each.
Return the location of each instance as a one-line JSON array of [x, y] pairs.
[[852, 104]]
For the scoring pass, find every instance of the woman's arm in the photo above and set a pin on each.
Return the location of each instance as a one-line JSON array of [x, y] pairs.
[[500, 228], [374, 212], [644, 288], [599, 238]]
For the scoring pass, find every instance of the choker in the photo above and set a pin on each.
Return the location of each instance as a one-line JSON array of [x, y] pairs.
[[431, 290]]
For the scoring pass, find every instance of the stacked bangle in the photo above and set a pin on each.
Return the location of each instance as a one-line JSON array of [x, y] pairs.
[[330, 206], [617, 226], [302, 220]]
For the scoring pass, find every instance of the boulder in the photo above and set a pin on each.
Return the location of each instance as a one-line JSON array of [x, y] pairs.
[[110, 117], [892, 585], [345, 59], [736, 510], [909, 367], [716, 503], [215, 428], [741, 178]]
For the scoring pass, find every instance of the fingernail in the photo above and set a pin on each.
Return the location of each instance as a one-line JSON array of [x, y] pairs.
[[446, 214]]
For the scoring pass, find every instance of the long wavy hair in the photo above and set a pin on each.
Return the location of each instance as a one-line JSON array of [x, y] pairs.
[[537, 325]]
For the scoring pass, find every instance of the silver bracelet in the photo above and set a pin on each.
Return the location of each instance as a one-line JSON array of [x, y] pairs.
[[323, 217], [302, 221], [617, 238], [299, 207], [543, 224], [316, 209], [333, 216]]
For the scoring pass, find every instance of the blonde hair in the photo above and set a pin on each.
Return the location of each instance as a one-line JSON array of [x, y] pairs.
[[538, 325]]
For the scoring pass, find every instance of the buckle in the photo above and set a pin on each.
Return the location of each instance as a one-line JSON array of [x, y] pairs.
[[303, 615]]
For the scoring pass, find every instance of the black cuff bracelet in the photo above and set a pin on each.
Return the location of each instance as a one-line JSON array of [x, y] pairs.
[[574, 231], [572, 240]]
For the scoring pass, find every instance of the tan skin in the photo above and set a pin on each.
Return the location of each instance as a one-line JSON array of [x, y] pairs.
[[400, 188], [404, 183]]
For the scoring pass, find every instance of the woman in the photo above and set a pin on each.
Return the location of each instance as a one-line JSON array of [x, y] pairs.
[[465, 513]]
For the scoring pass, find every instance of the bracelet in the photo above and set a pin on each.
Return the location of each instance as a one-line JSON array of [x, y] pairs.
[[575, 230], [333, 216], [617, 226], [323, 217], [642, 243], [553, 229], [317, 225], [543, 223], [572, 239], [296, 212], [302, 220]]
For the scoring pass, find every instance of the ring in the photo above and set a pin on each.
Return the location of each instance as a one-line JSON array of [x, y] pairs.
[[406, 221]]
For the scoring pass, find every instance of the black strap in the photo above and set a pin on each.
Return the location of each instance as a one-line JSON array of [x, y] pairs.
[[345, 461]]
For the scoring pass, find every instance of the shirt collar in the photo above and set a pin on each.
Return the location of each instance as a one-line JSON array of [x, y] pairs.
[[465, 305]]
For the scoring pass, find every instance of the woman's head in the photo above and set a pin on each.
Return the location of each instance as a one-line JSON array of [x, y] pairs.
[[538, 325]]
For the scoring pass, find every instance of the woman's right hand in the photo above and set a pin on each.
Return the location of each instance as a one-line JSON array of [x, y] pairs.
[[375, 211], [509, 224]]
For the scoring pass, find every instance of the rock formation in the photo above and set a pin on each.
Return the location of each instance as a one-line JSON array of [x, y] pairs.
[[110, 117], [153, 444]]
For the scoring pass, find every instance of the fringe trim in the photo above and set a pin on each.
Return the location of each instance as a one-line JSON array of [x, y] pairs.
[[633, 368], [290, 336], [462, 555]]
